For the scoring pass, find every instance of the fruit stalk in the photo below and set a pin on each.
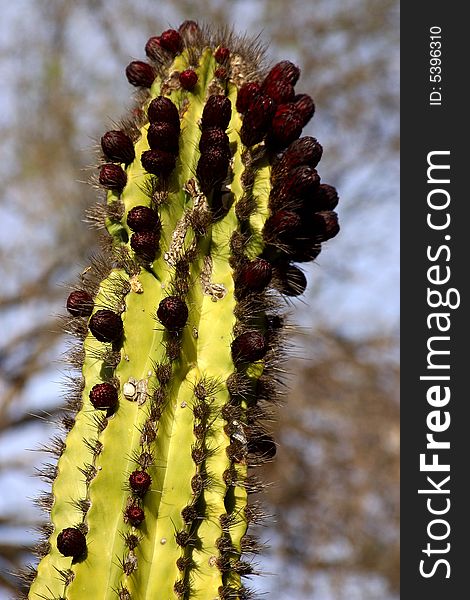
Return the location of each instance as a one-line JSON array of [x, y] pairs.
[[212, 197]]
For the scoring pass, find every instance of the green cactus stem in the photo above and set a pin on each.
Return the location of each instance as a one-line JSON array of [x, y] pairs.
[[212, 197]]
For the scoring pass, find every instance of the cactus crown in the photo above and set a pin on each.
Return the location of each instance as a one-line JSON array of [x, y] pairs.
[[212, 198]]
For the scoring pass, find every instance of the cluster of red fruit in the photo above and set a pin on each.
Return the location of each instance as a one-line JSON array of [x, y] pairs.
[[272, 111]]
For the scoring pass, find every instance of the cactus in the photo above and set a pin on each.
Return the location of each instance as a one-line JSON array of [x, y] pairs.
[[212, 197]]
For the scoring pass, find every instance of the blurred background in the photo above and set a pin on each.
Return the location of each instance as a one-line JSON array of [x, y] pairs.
[[334, 497]]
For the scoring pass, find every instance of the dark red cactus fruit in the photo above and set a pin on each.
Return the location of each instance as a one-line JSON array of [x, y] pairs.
[[292, 281], [299, 183], [304, 151], [158, 162], [134, 515], [106, 325], [222, 55], [153, 48], [261, 111], [279, 90], [113, 177], [214, 137], [217, 112], [263, 446], [305, 107], [190, 32], [171, 40], [143, 218], [140, 74], [104, 396], [246, 95], [71, 542], [188, 79], [283, 71], [80, 303], [249, 347], [221, 73], [118, 146], [326, 198], [172, 313], [163, 136], [282, 227], [249, 135], [255, 275], [212, 168], [140, 482], [286, 127], [325, 225], [162, 109], [257, 120], [145, 244]]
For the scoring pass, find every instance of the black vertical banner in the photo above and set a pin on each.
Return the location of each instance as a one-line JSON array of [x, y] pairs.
[[435, 356]]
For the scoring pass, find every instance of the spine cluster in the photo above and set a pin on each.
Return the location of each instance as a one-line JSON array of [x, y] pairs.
[[212, 199]]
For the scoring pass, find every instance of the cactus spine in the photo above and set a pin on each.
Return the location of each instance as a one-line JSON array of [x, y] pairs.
[[211, 198]]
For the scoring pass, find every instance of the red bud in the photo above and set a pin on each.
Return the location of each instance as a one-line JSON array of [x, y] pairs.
[[217, 112], [188, 79], [305, 107], [140, 482], [104, 396], [106, 326], [326, 198], [246, 95], [80, 303], [118, 146], [135, 515], [143, 218], [163, 136], [221, 73], [172, 313], [162, 109], [113, 177], [255, 275], [71, 542], [158, 162], [282, 227], [304, 151], [153, 48], [145, 244], [222, 55], [140, 74], [286, 126], [249, 347], [325, 225], [283, 71], [171, 40], [212, 168], [279, 90], [214, 137]]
